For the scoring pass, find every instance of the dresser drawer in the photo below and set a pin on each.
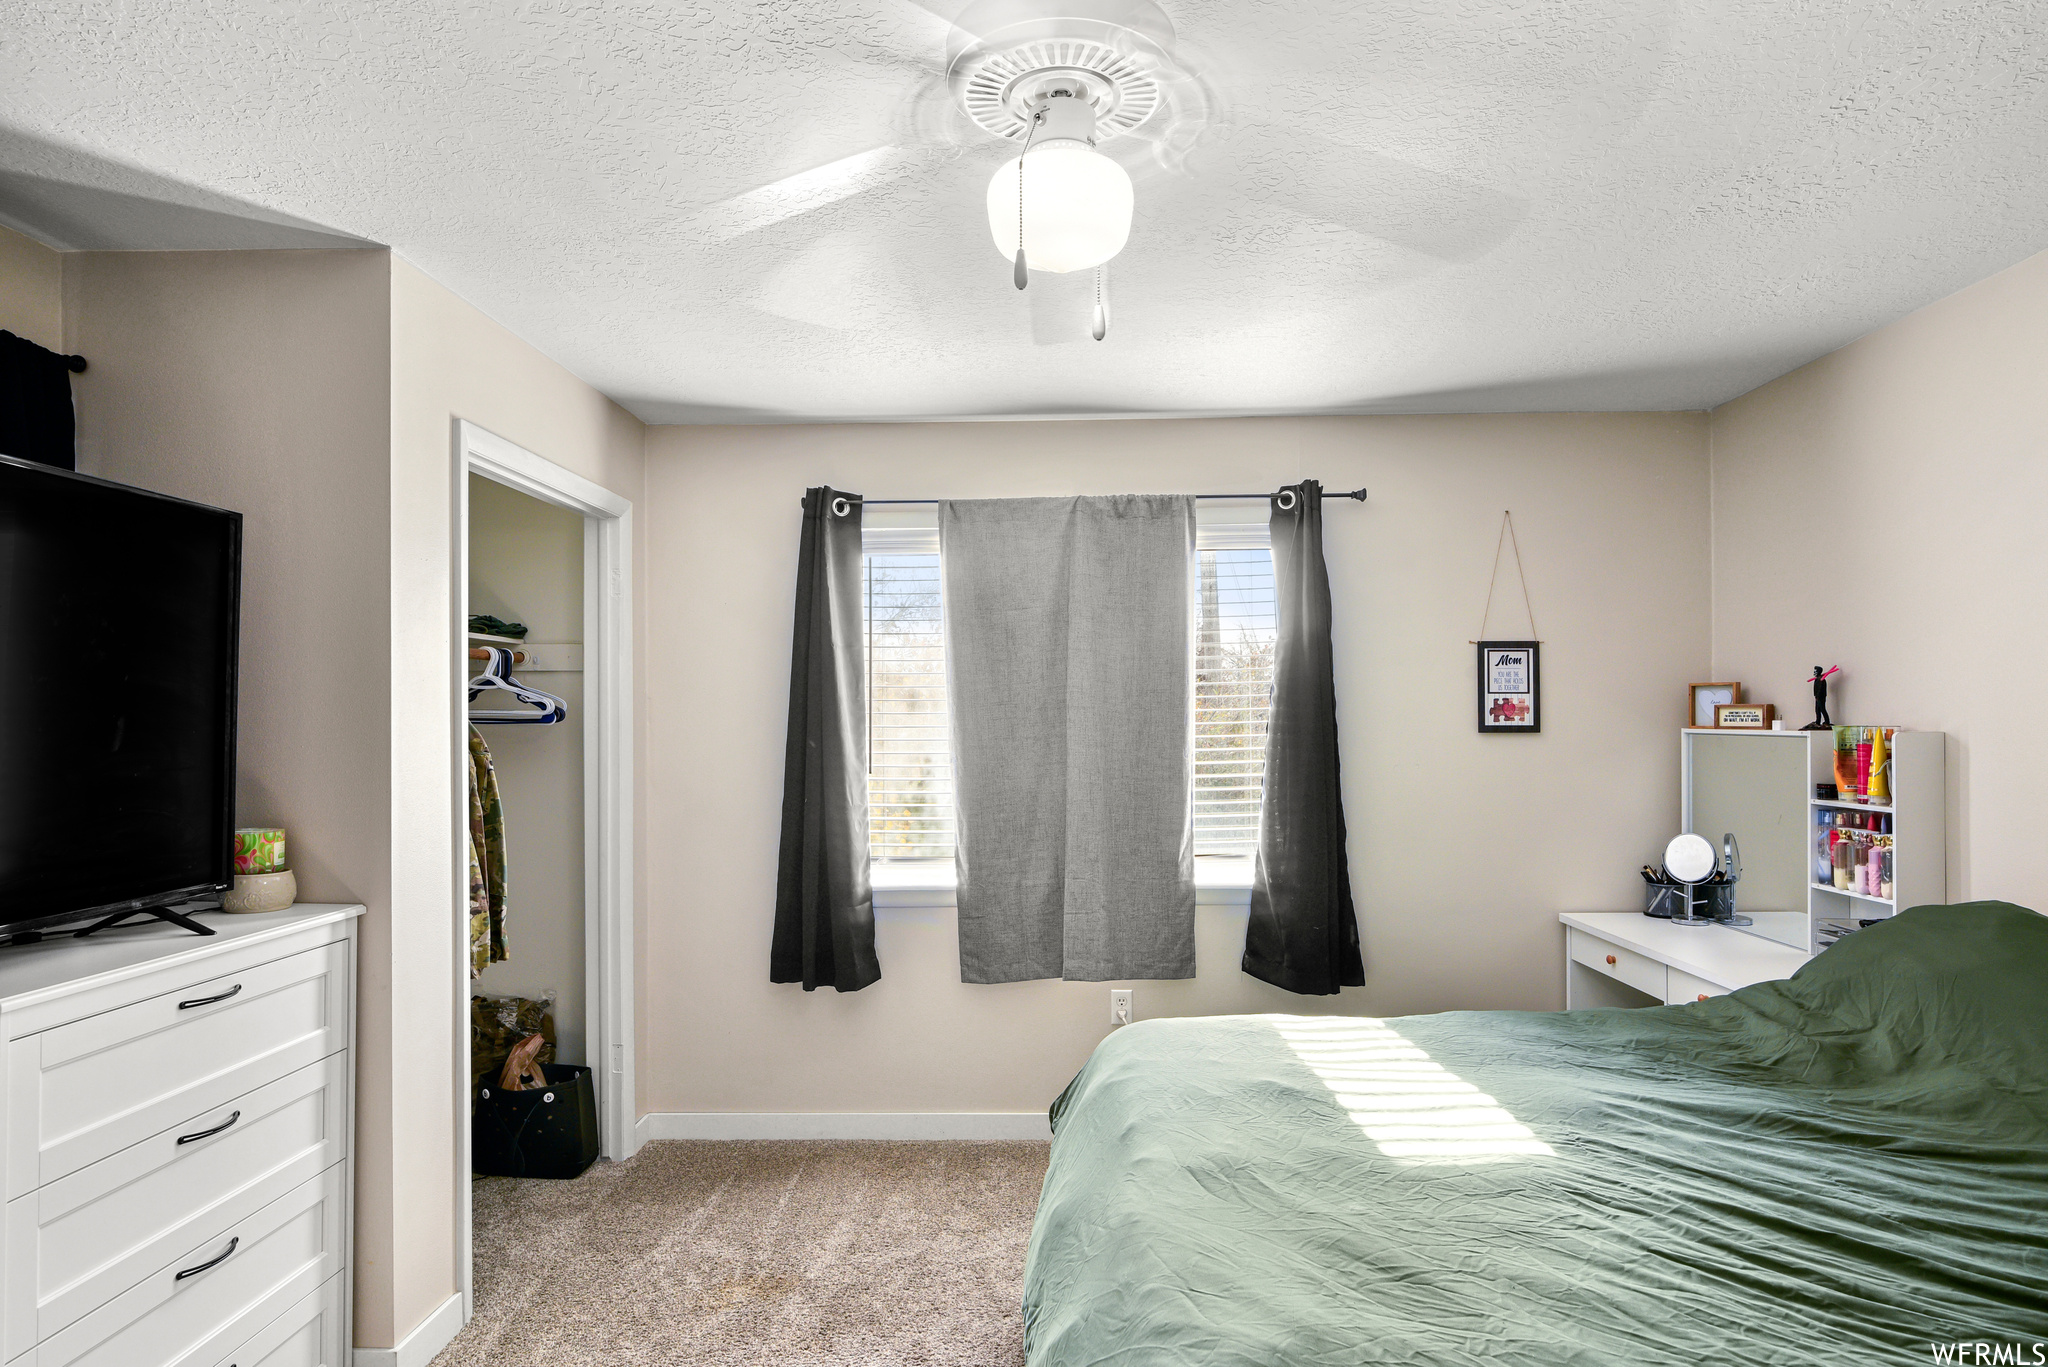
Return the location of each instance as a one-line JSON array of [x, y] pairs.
[[84, 1090], [259, 1267], [77, 1242], [309, 1334], [1684, 987], [1604, 956]]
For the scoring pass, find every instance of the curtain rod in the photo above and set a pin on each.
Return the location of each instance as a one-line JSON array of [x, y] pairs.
[[1358, 494]]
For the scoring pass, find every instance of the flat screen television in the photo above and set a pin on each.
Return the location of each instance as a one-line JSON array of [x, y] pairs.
[[119, 634]]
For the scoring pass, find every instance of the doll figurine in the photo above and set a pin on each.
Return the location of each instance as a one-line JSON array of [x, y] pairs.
[[1820, 720]]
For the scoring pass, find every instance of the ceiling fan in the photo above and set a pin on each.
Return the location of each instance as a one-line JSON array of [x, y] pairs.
[[1056, 80]]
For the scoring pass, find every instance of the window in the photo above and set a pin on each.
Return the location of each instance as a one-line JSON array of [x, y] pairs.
[[910, 755], [910, 750], [1234, 640]]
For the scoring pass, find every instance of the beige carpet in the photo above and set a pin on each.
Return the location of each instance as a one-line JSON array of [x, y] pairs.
[[761, 1254]]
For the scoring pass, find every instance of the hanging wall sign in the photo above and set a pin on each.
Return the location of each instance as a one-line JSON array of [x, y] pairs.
[[1510, 694], [1510, 681]]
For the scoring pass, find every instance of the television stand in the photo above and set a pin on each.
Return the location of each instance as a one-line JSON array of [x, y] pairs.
[[176, 918]]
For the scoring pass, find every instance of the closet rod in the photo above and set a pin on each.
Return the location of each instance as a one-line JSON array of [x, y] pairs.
[[519, 657], [1358, 494]]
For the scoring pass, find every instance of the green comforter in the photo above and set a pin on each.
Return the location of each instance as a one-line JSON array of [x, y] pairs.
[[1847, 1167]]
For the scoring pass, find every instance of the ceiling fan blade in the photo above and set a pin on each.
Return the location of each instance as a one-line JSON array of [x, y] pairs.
[[1426, 211], [807, 190]]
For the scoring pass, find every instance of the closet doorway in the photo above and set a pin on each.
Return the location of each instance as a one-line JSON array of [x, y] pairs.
[[535, 540]]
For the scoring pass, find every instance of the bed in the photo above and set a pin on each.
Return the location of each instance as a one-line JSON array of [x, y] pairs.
[[1849, 1166]]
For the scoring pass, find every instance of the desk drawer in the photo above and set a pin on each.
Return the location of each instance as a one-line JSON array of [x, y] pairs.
[[307, 1335], [1684, 987], [93, 1087], [1604, 956], [79, 1241], [273, 1259]]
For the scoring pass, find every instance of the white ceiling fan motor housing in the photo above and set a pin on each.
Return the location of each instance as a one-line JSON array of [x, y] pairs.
[[1009, 57]]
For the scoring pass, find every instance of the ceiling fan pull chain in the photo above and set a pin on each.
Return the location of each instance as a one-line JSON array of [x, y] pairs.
[[1101, 329], [1021, 276]]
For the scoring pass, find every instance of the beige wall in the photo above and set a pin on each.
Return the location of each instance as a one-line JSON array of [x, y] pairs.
[[1463, 846], [1882, 509], [447, 361], [31, 289], [316, 392], [260, 381], [255, 381], [526, 565]]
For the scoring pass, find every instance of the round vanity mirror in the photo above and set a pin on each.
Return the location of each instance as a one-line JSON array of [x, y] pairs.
[[1689, 859]]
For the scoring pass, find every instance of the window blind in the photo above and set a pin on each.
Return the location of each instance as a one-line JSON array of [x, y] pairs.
[[910, 751], [910, 757], [1235, 633]]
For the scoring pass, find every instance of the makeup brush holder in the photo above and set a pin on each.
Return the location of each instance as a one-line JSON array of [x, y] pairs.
[[1666, 898]]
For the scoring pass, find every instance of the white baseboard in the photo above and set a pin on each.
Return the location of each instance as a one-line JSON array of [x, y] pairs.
[[885, 1125], [421, 1346]]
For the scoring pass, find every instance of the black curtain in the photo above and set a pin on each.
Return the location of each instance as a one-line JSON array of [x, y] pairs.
[[824, 909], [1303, 933], [35, 403]]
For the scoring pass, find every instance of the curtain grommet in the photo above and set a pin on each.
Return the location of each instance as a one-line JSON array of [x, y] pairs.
[[1286, 500], [841, 507]]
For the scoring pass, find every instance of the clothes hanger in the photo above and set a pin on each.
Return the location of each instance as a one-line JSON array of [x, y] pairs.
[[498, 675]]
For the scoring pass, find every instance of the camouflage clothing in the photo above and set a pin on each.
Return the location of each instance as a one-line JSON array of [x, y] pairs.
[[499, 1023], [486, 860]]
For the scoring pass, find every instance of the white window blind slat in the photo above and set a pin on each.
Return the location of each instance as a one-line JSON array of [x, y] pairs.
[[1234, 637], [910, 751]]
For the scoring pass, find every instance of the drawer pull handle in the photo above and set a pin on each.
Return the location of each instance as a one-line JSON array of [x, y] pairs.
[[1610, 958], [212, 1262], [209, 1001], [229, 1123]]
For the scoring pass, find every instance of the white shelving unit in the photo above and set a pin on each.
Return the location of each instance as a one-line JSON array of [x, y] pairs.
[[1918, 812], [1919, 834]]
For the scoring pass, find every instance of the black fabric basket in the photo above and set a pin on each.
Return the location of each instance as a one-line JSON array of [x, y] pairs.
[[548, 1132]]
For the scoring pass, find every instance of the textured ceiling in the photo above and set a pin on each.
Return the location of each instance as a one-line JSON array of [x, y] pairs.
[[1412, 205]]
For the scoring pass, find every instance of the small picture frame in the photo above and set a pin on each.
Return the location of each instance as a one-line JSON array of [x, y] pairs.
[[1510, 687], [1745, 716], [1705, 697]]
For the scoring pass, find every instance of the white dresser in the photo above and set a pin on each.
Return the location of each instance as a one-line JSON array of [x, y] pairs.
[[176, 1144], [1618, 958]]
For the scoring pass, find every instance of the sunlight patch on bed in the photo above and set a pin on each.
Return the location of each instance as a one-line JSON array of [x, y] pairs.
[[1414, 1109]]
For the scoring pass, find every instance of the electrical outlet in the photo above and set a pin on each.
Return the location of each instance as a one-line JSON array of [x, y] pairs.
[[1119, 1006]]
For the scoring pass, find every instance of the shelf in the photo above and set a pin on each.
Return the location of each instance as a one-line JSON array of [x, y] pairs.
[[1849, 806], [1742, 731], [1844, 892], [497, 640]]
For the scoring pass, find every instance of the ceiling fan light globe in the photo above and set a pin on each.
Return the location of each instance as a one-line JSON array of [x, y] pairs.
[[1077, 207]]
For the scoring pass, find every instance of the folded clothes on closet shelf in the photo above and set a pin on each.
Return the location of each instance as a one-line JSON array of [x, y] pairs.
[[483, 624]]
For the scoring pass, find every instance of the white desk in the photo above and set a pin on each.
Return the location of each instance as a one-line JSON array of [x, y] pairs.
[[1619, 958]]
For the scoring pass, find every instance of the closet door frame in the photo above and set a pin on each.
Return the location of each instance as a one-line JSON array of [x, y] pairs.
[[608, 953]]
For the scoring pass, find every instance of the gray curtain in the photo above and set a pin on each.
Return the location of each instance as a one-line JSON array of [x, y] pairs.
[[824, 911], [1303, 932], [1069, 674]]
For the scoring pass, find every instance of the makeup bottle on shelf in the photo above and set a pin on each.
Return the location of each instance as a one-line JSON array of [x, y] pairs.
[[1863, 763], [1879, 790]]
